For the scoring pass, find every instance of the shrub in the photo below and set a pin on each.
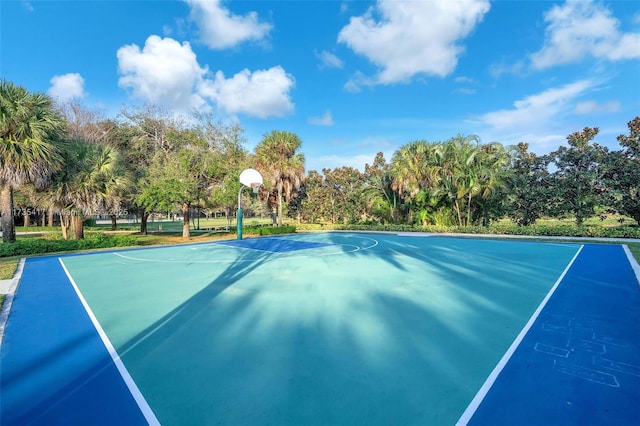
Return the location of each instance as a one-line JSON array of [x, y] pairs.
[[556, 230], [276, 230], [31, 246]]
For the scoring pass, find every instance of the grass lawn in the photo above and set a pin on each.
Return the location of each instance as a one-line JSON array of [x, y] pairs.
[[8, 267]]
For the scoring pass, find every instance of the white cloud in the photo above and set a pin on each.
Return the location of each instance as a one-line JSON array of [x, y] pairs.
[[593, 107], [221, 29], [355, 83], [465, 91], [167, 72], [262, 94], [464, 79], [497, 69], [163, 72], [543, 120], [406, 38], [67, 86], [325, 119], [538, 109], [578, 29], [329, 60]]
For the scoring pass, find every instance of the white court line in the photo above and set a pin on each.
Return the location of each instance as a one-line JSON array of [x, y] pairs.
[[133, 388], [484, 390], [633, 262], [277, 255]]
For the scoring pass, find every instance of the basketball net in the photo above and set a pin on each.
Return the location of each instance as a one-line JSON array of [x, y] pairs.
[[255, 187]]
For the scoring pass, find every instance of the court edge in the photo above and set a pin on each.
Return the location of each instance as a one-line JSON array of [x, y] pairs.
[[484, 389], [146, 410]]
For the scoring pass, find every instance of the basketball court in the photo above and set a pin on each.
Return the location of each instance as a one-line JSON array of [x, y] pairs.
[[327, 328]]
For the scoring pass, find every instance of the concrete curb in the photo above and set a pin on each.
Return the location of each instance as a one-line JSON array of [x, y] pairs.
[[9, 287]]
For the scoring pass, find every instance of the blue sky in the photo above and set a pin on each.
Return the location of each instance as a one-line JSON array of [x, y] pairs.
[[351, 78]]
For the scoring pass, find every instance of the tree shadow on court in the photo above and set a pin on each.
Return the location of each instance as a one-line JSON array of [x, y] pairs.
[[54, 366], [197, 305], [176, 350], [493, 270], [378, 333]]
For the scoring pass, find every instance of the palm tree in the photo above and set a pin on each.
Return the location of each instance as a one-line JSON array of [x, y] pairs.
[[377, 190], [281, 166], [90, 184], [414, 168], [29, 130], [459, 181], [494, 162]]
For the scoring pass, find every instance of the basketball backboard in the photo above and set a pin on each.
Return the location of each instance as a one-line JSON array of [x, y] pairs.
[[249, 176]]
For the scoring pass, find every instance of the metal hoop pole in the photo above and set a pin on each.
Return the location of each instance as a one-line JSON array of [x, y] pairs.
[[239, 214]]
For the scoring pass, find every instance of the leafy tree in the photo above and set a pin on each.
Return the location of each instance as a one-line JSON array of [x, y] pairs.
[[281, 165], [312, 196], [343, 188], [379, 195], [578, 180], [176, 179], [30, 129], [528, 186], [229, 158], [142, 133], [623, 172]]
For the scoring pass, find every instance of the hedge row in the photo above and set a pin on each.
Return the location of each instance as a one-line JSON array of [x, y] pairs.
[[32, 246], [98, 240], [276, 230], [498, 229]]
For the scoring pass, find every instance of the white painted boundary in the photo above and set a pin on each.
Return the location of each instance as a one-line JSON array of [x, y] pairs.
[[477, 400], [352, 248], [9, 288], [633, 262], [133, 388]]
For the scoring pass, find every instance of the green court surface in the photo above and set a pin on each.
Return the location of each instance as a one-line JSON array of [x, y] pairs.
[[334, 328]]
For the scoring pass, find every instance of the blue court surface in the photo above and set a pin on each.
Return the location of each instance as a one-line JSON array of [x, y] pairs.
[[327, 329]]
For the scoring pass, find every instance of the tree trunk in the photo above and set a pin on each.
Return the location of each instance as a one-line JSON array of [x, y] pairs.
[[279, 208], [51, 216], [27, 217], [43, 218], [186, 232], [6, 209], [78, 227], [457, 206], [64, 225], [144, 216], [114, 222], [395, 210]]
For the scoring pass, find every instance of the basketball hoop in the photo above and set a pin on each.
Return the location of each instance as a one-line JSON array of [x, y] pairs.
[[255, 187], [250, 176], [253, 179]]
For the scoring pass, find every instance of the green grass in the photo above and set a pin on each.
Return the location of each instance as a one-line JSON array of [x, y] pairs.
[[634, 248], [8, 267]]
